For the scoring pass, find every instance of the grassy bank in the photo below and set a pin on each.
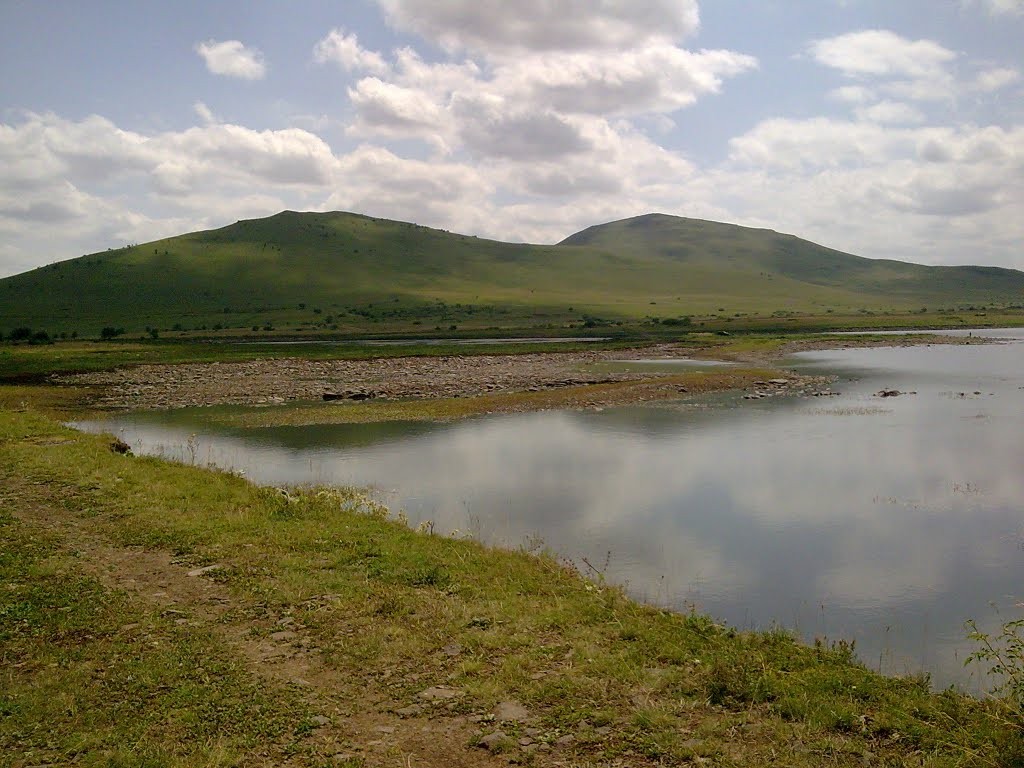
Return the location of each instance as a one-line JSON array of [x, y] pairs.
[[327, 634]]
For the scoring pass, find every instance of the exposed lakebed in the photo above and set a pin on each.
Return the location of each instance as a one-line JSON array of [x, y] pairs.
[[885, 520]]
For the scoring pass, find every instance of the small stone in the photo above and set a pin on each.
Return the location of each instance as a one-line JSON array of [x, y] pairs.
[[510, 711], [300, 682], [439, 692], [525, 741], [205, 569], [563, 742], [410, 711], [493, 742], [452, 649], [320, 721], [283, 636]]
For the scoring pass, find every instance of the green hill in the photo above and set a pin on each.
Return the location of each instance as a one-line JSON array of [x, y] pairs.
[[344, 272]]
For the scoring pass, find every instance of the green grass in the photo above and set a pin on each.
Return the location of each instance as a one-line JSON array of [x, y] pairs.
[[91, 677], [379, 602], [343, 273]]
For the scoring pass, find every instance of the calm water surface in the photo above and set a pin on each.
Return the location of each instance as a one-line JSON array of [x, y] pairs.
[[888, 521]]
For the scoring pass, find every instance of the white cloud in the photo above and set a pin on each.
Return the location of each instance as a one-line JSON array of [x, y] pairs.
[[654, 78], [289, 156], [995, 79], [232, 59], [106, 186], [489, 128], [881, 53], [938, 195], [527, 107], [377, 182], [998, 7], [204, 112], [853, 94], [344, 50], [393, 109], [541, 25], [890, 112]]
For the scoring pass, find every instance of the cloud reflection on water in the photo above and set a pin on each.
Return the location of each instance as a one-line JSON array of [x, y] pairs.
[[843, 520]]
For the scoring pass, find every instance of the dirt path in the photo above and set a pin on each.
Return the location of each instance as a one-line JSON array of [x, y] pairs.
[[356, 718]]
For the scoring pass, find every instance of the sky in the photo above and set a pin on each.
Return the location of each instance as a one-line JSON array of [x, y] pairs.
[[886, 129]]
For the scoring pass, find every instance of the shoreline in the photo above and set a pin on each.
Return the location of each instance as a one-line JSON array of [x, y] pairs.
[[311, 630], [296, 390]]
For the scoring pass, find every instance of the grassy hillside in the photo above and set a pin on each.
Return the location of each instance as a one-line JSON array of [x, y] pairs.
[[342, 272], [727, 247]]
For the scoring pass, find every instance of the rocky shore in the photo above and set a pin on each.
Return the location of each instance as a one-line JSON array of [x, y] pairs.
[[276, 381], [261, 382]]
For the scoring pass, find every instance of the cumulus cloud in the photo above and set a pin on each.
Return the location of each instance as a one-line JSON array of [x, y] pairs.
[[443, 194], [879, 52], [344, 50], [995, 79], [489, 129], [97, 180], [541, 25], [940, 186], [998, 7], [529, 106], [232, 59], [393, 109], [658, 77], [890, 112], [204, 113]]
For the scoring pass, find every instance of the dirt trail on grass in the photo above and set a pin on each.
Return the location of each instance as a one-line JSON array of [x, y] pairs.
[[356, 722]]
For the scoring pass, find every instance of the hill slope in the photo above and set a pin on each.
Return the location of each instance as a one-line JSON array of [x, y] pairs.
[[727, 246], [350, 272]]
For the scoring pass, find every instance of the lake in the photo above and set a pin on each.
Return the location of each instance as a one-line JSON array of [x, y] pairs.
[[888, 521]]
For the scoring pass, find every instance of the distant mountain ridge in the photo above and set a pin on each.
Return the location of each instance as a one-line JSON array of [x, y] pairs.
[[299, 270]]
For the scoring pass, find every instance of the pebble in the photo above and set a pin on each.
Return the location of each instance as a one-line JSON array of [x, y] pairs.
[[510, 711], [205, 569], [439, 692], [493, 741]]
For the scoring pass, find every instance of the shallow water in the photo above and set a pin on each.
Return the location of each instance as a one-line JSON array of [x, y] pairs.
[[888, 521]]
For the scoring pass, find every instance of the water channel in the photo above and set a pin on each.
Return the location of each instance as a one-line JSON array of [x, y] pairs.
[[888, 521]]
